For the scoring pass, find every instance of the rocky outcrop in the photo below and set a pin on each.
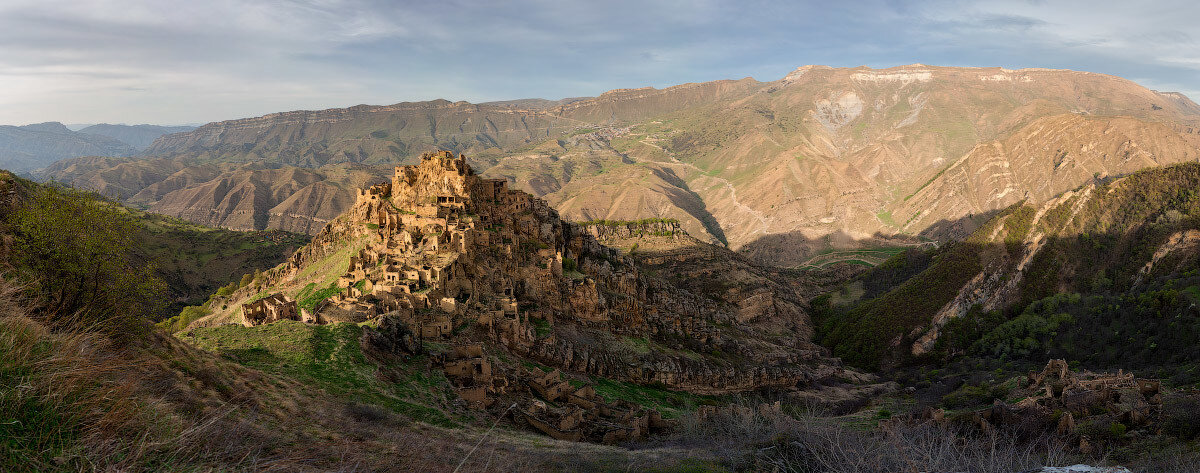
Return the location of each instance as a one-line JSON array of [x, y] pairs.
[[441, 254]]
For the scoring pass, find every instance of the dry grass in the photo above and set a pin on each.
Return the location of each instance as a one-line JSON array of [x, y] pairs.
[[752, 439], [74, 401], [59, 391]]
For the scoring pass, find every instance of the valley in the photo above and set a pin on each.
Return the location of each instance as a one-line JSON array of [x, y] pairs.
[[737, 275]]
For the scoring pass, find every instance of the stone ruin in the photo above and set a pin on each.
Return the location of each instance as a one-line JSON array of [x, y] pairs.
[[566, 412], [272, 308], [546, 402], [1061, 401], [448, 256], [471, 375]]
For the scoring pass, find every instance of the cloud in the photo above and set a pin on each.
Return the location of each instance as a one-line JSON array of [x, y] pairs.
[[182, 61]]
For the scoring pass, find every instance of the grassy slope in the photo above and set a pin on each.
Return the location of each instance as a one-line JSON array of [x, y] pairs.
[[311, 285], [328, 357], [195, 260], [281, 397], [1088, 277], [1098, 254]]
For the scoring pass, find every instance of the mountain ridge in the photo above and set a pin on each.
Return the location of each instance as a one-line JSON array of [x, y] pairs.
[[830, 155]]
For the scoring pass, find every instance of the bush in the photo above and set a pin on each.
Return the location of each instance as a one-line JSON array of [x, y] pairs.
[[74, 251], [188, 315], [228, 289], [1181, 416]]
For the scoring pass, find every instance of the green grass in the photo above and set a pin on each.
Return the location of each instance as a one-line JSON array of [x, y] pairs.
[[885, 216], [668, 403], [541, 327], [33, 430], [188, 315], [328, 357], [310, 296], [869, 257], [1193, 291]]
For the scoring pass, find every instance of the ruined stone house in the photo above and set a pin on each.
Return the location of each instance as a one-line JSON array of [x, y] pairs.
[[269, 309]]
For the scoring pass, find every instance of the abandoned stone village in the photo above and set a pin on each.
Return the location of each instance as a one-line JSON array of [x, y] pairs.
[[452, 257]]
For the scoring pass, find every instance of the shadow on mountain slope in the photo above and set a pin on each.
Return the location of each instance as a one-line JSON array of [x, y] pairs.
[[1036, 282]]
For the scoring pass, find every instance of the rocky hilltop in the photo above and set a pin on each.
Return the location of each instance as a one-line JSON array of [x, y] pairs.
[[824, 158], [440, 254]]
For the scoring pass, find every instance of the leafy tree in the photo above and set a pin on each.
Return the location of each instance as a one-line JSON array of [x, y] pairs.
[[73, 250]]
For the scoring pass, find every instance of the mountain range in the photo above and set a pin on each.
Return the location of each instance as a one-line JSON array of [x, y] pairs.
[[824, 159], [32, 147]]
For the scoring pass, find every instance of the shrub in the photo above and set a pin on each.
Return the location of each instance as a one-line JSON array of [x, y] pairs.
[[188, 315], [74, 250], [1181, 416]]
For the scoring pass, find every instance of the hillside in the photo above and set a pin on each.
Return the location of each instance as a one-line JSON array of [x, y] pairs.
[[439, 257], [781, 171], [488, 253], [1038, 281], [192, 260]]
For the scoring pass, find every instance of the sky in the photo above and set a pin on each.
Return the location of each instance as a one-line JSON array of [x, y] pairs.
[[175, 62]]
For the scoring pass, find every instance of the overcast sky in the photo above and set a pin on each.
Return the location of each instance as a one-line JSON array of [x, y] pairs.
[[172, 62]]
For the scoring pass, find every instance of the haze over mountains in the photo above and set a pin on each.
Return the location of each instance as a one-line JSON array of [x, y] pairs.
[[31, 147], [822, 158]]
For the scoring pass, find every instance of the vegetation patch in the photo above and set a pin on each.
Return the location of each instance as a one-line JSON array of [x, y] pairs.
[[328, 357], [310, 296], [656, 396], [620, 223]]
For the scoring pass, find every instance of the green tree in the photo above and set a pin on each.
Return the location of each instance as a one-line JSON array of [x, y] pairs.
[[73, 250]]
